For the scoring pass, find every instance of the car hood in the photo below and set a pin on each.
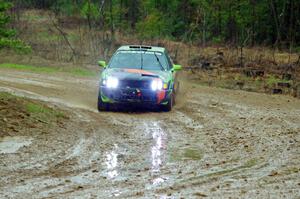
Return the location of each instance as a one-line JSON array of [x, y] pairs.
[[136, 74]]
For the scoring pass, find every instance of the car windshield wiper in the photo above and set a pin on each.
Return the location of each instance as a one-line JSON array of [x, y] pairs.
[[161, 66], [150, 75]]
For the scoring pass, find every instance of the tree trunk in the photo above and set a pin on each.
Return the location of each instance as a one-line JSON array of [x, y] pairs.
[[276, 20], [112, 30], [253, 20]]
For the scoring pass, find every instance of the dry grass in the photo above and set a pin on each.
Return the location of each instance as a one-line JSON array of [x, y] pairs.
[[77, 44], [38, 30]]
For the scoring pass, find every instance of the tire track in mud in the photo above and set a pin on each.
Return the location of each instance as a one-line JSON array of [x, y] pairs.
[[218, 143], [261, 157]]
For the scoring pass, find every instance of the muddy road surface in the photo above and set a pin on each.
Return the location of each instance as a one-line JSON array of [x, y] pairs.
[[215, 143]]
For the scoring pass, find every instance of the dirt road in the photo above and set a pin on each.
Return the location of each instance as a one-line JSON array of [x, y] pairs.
[[215, 143]]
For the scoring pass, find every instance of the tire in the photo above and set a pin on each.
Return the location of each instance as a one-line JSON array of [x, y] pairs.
[[102, 106], [169, 106]]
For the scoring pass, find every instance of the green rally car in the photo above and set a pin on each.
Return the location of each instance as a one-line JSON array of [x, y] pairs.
[[142, 75]]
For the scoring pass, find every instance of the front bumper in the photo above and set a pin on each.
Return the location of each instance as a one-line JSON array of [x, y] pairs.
[[134, 95]]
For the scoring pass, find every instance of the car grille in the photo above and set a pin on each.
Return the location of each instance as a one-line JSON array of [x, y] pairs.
[[142, 84], [128, 94]]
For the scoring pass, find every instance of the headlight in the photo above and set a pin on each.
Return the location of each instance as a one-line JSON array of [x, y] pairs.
[[111, 82], [156, 84]]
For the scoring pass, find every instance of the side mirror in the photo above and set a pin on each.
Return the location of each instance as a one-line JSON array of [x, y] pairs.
[[102, 64], [177, 67]]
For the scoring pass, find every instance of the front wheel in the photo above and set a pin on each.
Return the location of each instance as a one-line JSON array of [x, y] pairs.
[[168, 107], [102, 106]]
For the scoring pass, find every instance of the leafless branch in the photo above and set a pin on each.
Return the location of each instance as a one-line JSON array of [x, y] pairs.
[[64, 35]]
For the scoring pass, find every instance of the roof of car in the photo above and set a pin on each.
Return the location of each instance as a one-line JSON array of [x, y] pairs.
[[143, 47]]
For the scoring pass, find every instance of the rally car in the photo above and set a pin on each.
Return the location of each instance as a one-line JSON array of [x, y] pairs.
[[136, 74]]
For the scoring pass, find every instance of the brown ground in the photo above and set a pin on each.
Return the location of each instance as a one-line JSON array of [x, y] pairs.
[[216, 143]]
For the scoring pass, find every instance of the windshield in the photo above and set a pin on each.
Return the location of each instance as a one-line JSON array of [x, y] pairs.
[[139, 60]]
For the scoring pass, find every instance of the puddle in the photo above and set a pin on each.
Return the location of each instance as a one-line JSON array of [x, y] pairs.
[[111, 162], [13, 144], [158, 147], [158, 181], [116, 193], [187, 154], [193, 154], [79, 179]]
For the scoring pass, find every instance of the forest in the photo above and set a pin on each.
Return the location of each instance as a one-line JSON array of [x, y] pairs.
[[221, 120], [237, 44], [274, 23]]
